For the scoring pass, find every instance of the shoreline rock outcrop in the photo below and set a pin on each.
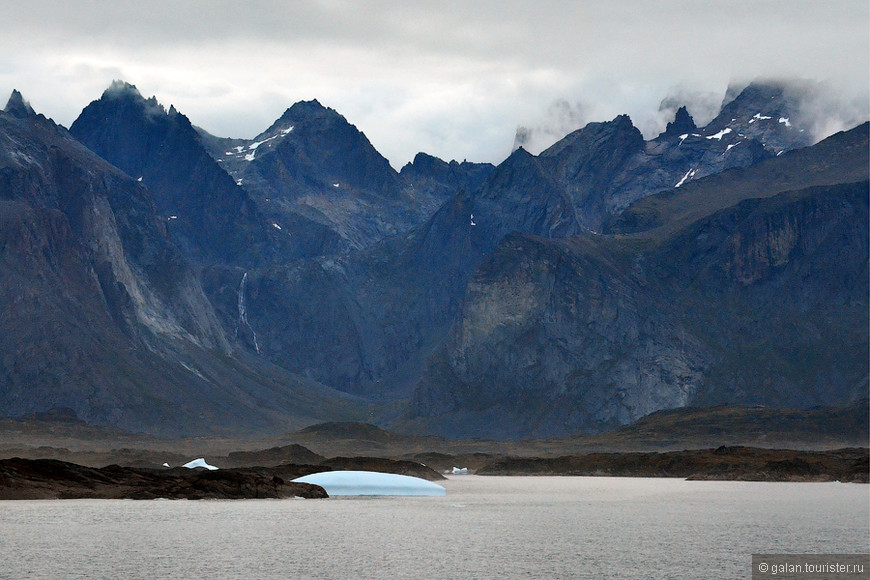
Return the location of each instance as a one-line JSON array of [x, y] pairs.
[[53, 479]]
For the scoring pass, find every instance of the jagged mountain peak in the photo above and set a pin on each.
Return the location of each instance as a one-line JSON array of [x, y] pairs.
[[518, 155], [16, 106], [762, 97], [126, 93], [120, 88], [683, 123], [594, 134], [305, 111], [761, 90], [425, 161], [311, 107], [768, 111]]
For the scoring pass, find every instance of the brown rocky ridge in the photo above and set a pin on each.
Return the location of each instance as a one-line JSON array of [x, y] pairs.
[[724, 463]]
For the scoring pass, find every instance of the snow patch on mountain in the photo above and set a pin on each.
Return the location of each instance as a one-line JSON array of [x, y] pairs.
[[689, 175], [718, 136]]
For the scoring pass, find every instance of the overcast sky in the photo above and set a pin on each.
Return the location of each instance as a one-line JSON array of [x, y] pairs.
[[454, 79]]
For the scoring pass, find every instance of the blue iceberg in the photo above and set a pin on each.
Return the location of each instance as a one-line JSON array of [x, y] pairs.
[[372, 483]]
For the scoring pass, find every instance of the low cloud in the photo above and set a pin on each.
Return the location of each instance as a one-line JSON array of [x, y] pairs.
[[560, 119], [456, 81]]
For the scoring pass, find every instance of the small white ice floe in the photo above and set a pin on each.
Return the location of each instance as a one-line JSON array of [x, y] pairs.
[[785, 121], [460, 471], [172, 217], [287, 130], [165, 465], [472, 220], [199, 463], [140, 179], [336, 185], [276, 226], [372, 483]]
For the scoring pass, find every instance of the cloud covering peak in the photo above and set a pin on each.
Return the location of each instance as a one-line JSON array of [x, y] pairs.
[[454, 80]]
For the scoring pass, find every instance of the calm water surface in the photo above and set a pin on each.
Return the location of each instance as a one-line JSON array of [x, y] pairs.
[[486, 527]]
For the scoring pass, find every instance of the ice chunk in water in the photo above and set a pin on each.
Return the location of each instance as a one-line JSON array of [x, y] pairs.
[[371, 483]]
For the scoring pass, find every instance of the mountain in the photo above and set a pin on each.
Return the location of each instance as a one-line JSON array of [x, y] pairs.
[[297, 276], [213, 219], [103, 314], [758, 296], [769, 112], [311, 162], [376, 322]]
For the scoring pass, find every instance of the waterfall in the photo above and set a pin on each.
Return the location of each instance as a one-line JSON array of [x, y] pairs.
[[243, 312]]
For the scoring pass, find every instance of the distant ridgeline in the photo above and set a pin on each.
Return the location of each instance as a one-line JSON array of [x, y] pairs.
[[159, 279]]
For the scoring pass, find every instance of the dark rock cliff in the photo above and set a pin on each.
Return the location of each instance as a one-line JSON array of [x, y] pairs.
[[211, 217], [761, 302], [103, 313]]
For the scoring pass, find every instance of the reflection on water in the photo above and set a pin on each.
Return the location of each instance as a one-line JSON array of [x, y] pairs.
[[486, 527]]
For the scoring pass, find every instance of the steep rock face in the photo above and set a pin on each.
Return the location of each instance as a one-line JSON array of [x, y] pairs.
[[442, 179], [785, 284], [761, 299], [683, 123], [207, 213], [89, 268], [362, 323], [145, 280], [300, 316], [557, 337], [103, 315], [395, 301], [586, 161], [520, 196]]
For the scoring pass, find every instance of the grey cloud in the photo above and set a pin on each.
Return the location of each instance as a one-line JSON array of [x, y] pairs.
[[453, 78], [702, 106], [560, 119]]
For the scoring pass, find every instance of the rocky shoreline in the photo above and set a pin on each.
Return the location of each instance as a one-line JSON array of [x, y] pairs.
[[723, 464], [54, 479]]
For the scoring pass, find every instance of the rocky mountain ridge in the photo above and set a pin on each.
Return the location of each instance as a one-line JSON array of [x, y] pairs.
[[104, 313], [463, 299]]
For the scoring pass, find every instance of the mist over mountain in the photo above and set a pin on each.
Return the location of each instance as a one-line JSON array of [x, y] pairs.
[[155, 272]]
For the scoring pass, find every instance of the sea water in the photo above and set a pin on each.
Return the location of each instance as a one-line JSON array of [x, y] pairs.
[[485, 527]]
